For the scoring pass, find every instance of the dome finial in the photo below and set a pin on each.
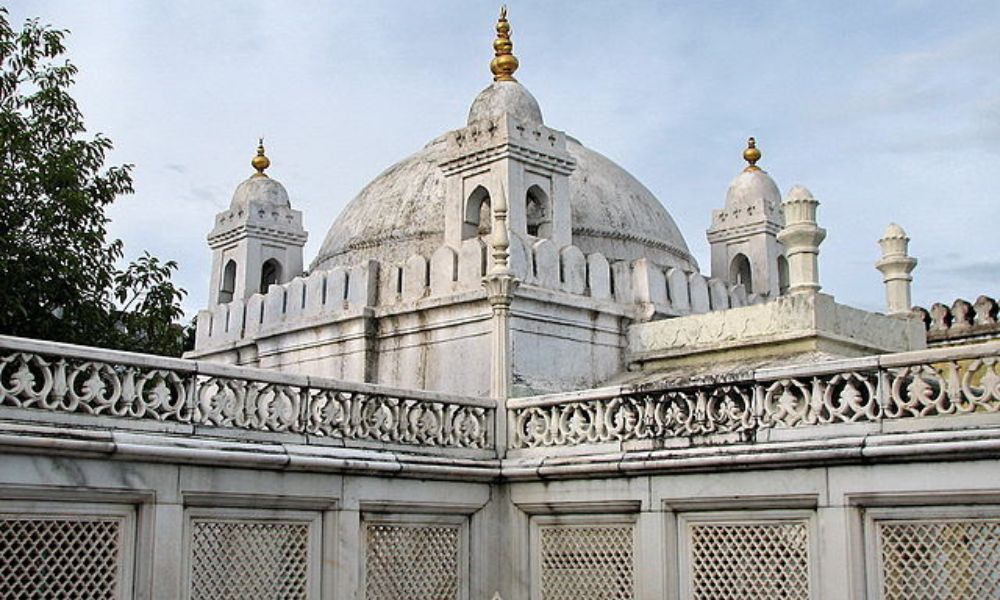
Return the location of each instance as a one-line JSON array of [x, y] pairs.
[[260, 162], [504, 63], [751, 155]]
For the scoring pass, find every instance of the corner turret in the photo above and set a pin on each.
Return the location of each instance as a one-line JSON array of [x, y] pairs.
[[744, 234], [258, 241]]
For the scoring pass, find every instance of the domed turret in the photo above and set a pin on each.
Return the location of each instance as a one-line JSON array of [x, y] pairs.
[[753, 186], [743, 235], [258, 241]]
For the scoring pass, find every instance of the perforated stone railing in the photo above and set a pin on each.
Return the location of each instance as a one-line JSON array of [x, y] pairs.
[[61, 378], [912, 385]]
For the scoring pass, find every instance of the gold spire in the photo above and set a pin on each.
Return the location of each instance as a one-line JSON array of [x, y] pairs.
[[751, 155], [260, 162], [504, 63]]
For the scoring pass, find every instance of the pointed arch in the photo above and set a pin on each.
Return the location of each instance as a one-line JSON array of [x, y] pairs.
[[739, 272], [270, 273], [478, 219], [538, 211], [227, 286]]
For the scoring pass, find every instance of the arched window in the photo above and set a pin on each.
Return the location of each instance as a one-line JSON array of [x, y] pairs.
[[782, 275], [228, 286], [538, 213], [270, 273], [478, 216], [739, 272]]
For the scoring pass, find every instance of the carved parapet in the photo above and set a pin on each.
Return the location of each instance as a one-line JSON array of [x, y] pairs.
[[961, 322], [46, 376], [744, 407]]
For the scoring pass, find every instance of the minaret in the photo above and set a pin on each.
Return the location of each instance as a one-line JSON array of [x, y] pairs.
[[743, 235], [257, 241], [802, 236], [896, 266]]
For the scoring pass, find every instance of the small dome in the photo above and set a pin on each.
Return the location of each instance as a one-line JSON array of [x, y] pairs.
[[799, 193], [750, 186], [894, 232], [259, 190], [505, 97]]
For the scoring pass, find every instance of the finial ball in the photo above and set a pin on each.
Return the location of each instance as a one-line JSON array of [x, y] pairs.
[[260, 162], [504, 62], [751, 154]]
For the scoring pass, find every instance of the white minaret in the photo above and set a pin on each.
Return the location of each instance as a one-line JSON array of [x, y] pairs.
[[896, 266], [744, 234], [257, 241], [801, 237]]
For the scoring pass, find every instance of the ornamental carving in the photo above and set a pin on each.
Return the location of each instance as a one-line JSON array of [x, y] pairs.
[[744, 408], [63, 384]]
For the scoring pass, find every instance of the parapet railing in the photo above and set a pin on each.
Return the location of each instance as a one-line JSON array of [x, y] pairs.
[[64, 378], [911, 385]]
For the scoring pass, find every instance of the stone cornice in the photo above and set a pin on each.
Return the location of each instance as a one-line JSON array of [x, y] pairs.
[[563, 164], [249, 230], [725, 233]]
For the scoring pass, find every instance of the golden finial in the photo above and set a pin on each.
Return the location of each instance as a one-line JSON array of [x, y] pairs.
[[260, 162], [751, 155], [504, 63]]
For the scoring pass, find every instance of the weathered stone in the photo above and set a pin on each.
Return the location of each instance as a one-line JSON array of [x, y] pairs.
[[573, 270]]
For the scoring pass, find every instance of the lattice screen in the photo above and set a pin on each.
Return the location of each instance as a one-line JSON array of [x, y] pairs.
[[586, 562], [749, 561], [940, 559], [72, 558], [411, 561], [248, 559]]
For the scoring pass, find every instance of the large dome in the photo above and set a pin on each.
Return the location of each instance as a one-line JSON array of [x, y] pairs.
[[401, 213]]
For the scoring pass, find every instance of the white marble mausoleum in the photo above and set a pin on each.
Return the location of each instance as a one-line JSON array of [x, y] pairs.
[[505, 377]]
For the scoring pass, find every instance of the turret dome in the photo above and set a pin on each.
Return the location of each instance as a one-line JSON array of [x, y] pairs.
[[505, 97], [259, 190], [750, 186]]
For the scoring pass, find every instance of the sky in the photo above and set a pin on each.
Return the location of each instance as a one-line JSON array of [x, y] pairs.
[[887, 111]]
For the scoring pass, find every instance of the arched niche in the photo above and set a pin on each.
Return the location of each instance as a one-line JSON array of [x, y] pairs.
[[227, 287], [782, 275], [478, 215], [739, 272], [538, 212], [270, 273]]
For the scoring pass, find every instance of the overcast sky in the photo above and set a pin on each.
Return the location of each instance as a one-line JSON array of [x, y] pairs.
[[887, 111]]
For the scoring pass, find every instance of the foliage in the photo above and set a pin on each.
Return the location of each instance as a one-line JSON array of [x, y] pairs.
[[58, 273]]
